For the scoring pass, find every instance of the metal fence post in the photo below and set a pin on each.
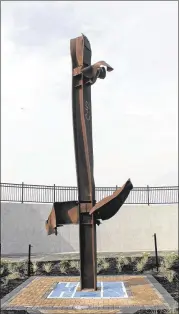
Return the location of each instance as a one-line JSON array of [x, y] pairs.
[[22, 199], [29, 261], [54, 193], [156, 251], [148, 197]]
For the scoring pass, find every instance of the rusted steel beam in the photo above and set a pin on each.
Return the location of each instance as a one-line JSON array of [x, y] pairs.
[[85, 212], [82, 127]]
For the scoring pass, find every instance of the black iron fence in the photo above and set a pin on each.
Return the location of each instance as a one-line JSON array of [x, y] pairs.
[[27, 193]]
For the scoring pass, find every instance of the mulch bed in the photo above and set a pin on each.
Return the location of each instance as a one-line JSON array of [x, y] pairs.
[[171, 287]]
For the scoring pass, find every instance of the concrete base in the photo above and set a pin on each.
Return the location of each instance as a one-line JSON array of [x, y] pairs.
[[115, 294]]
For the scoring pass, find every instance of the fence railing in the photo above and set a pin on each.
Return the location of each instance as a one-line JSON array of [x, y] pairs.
[[27, 193]]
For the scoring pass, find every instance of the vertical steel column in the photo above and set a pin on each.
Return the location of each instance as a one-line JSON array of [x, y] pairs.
[[82, 126], [87, 229], [156, 251], [29, 261]]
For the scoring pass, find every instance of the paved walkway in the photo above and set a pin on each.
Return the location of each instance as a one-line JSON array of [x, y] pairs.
[[142, 292]]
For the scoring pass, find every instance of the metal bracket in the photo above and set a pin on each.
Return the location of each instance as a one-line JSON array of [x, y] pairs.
[[92, 72]]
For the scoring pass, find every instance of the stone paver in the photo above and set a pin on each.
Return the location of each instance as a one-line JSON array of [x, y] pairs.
[[140, 289], [86, 311]]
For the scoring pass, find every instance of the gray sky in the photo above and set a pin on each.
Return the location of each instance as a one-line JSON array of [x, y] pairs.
[[134, 131]]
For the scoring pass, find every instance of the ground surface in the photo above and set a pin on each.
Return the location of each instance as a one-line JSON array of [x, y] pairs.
[[170, 285], [142, 292]]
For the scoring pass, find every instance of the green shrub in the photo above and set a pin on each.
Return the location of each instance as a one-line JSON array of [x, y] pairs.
[[12, 268], [169, 259], [4, 282], [13, 276], [142, 262], [102, 264], [121, 261], [47, 267], [74, 265], [34, 267], [2, 270], [133, 259], [64, 265]]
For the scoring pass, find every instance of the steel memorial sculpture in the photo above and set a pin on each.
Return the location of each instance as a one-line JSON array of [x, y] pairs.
[[85, 212]]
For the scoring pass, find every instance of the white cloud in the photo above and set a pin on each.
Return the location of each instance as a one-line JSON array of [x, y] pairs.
[[134, 109]]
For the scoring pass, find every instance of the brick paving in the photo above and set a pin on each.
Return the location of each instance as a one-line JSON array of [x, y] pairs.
[[86, 311], [140, 290]]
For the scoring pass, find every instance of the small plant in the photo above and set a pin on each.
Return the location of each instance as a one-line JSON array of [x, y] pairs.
[[74, 265], [34, 267], [121, 261], [169, 259], [13, 276], [12, 268], [170, 275], [167, 311], [143, 261], [5, 281], [133, 259], [23, 267], [102, 264], [47, 267], [2, 270], [4, 262], [63, 266]]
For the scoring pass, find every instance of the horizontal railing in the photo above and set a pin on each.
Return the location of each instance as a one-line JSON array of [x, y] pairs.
[[28, 193]]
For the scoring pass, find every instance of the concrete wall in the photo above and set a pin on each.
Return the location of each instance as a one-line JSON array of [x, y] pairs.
[[130, 230]]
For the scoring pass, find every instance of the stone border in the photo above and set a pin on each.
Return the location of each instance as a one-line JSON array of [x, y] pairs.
[[169, 303], [159, 289], [8, 297]]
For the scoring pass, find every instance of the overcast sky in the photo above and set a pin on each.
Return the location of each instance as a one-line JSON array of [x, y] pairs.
[[135, 109]]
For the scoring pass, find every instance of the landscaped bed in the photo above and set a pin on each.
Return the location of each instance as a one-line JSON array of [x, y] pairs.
[[14, 273]]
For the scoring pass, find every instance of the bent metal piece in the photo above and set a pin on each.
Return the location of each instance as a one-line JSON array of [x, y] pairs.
[[109, 206], [85, 212], [92, 72], [64, 213]]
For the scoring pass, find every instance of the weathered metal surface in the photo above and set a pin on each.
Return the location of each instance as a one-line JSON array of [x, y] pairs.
[[82, 127], [85, 212], [65, 213], [108, 206], [83, 76], [62, 213]]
